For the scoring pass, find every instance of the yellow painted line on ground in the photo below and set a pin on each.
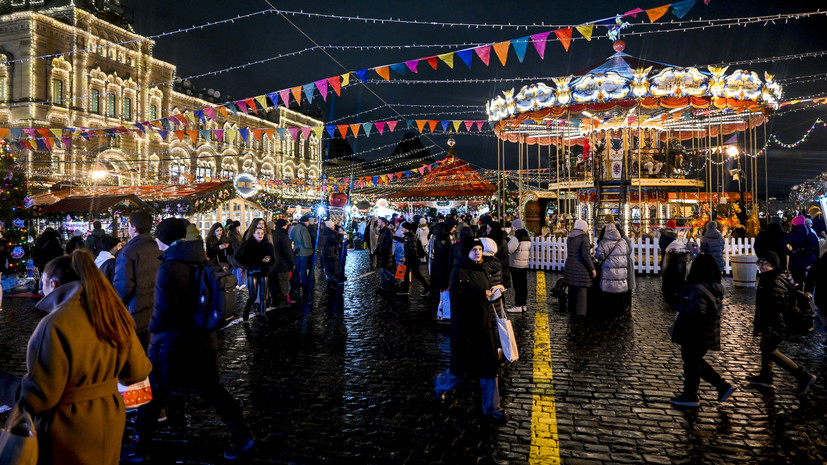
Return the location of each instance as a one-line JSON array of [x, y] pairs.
[[545, 444]]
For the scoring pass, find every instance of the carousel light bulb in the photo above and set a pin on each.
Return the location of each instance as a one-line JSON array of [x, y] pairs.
[[732, 151]]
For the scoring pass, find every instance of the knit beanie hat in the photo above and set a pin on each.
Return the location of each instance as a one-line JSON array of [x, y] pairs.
[[468, 244], [170, 230], [581, 225], [517, 224], [671, 224], [712, 225], [771, 258], [798, 220], [489, 247]]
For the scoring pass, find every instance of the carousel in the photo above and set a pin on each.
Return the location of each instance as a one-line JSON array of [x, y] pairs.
[[644, 141]]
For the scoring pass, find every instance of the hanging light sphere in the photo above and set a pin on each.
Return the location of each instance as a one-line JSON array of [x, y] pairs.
[[619, 45], [451, 141]]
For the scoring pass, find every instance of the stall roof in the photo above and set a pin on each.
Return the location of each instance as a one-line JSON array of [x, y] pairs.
[[453, 178], [145, 193], [93, 204]]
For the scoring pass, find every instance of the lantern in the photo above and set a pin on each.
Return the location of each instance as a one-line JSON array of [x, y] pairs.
[[338, 200]]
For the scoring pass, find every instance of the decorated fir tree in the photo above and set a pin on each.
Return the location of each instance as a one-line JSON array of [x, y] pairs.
[[13, 212]]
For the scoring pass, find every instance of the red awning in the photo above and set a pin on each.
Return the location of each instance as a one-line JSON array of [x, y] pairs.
[[94, 204]]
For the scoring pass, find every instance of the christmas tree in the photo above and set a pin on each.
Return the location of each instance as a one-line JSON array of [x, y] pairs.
[[13, 211]]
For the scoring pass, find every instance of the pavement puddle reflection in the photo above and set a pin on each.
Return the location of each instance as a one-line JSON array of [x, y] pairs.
[[545, 444]]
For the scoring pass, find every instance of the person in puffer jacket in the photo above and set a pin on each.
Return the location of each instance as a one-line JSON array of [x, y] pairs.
[[614, 277], [801, 247], [493, 266], [713, 243], [578, 271], [519, 246]]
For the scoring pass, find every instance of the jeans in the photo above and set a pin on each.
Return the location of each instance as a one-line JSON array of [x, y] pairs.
[[303, 265], [695, 368], [519, 276], [770, 355], [446, 381], [386, 278]]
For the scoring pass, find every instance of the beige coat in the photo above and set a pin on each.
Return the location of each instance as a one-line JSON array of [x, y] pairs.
[[71, 384]]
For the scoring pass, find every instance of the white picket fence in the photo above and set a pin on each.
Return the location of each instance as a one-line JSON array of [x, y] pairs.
[[549, 253]]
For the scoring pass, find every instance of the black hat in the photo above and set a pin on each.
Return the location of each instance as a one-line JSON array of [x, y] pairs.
[[170, 230], [304, 219], [109, 242], [485, 219], [281, 222], [468, 244], [408, 226], [450, 223], [771, 258]]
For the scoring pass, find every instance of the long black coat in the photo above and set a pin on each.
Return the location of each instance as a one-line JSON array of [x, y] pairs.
[[441, 263], [384, 250], [699, 316], [771, 299], [473, 346], [579, 266], [283, 249]]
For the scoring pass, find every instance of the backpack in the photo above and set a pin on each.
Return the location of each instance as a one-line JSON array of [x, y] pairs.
[[799, 315], [217, 296]]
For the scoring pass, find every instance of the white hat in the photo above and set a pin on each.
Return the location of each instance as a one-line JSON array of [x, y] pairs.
[[423, 221], [489, 247], [78, 232], [581, 225], [517, 224], [329, 224]]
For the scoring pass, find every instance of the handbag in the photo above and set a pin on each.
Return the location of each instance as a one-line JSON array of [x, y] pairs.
[[135, 395], [18, 440], [508, 341], [400, 271], [443, 312]]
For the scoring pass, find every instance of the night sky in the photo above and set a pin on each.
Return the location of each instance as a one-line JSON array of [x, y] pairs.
[[265, 36]]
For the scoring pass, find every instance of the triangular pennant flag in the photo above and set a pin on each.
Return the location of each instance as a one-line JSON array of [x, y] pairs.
[[282, 132], [180, 133], [354, 128], [380, 126], [219, 134], [285, 97], [342, 130], [384, 72], [540, 43], [57, 133], [32, 132], [67, 142], [223, 110], [245, 133], [480, 124], [679, 9], [308, 91], [565, 37], [484, 53], [421, 170], [294, 133], [331, 129], [41, 144], [233, 108], [448, 58], [201, 116], [317, 130], [210, 112], [632, 13], [231, 134], [466, 56], [44, 132], [586, 31], [191, 119], [366, 128], [241, 106], [501, 49], [431, 60], [432, 124], [345, 79], [274, 97], [335, 83], [262, 101], [412, 65], [392, 125], [321, 84], [257, 133], [520, 46], [655, 14], [17, 133], [445, 125], [297, 94], [420, 124], [306, 132], [457, 124], [398, 68], [205, 134], [161, 132], [362, 74], [468, 125], [268, 133], [390, 177]]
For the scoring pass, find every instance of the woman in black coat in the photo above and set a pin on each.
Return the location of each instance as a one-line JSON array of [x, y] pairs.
[[256, 254], [698, 329], [473, 346], [579, 269], [219, 250]]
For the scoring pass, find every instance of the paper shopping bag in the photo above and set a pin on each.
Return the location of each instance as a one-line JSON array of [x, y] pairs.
[[135, 395], [400, 271], [507, 340]]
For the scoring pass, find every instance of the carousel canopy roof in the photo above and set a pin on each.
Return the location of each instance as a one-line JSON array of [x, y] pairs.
[[145, 193], [454, 178]]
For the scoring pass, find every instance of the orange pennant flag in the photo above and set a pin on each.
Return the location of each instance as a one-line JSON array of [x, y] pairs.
[[257, 133], [383, 71], [354, 128], [342, 130], [655, 13], [677, 115], [193, 133], [223, 110], [3, 132], [335, 83], [420, 123], [269, 133], [501, 49], [432, 125], [564, 35], [297, 94], [180, 134]]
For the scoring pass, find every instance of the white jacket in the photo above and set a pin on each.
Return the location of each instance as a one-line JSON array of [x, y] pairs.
[[518, 252]]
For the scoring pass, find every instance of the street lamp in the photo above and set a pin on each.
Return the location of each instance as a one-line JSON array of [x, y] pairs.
[[99, 173]]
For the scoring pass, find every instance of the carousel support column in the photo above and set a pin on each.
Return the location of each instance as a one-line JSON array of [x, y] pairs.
[[557, 168], [538, 163]]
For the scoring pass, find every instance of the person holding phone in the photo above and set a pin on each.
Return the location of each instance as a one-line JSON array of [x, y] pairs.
[[256, 254]]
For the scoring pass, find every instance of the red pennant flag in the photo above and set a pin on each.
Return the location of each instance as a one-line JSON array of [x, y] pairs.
[[342, 130], [336, 84], [484, 53], [468, 125], [181, 119], [392, 125], [380, 126], [251, 104], [432, 125], [431, 61], [180, 134], [565, 37], [257, 133]]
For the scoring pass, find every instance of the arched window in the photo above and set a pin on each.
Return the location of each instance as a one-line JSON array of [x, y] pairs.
[[57, 93], [205, 170]]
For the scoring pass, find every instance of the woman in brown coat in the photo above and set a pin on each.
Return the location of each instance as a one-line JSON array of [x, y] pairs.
[[75, 358]]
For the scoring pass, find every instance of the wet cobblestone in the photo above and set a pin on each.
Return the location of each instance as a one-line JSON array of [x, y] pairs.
[[348, 381]]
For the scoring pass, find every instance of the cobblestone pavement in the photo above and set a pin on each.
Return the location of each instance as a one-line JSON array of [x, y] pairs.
[[348, 381]]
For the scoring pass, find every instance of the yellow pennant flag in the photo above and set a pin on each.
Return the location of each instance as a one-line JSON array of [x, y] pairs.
[[230, 134], [262, 100], [586, 31], [318, 131], [457, 124], [191, 117], [345, 79], [655, 13], [448, 58], [501, 49], [58, 133], [383, 71]]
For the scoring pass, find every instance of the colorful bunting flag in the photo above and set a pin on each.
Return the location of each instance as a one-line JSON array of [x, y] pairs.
[[448, 59], [242, 106], [297, 94], [398, 68], [244, 133], [308, 91], [362, 74], [520, 46], [306, 132], [586, 31], [342, 130], [420, 124], [335, 83], [294, 133], [251, 104], [345, 79], [431, 60], [219, 135], [412, 65], [354, 128], [432, 125], [680, 9], [392, 125], [366, 128], [466, 56], [501, 49], [380, 126], [331, 130], [655, 13], [564, 35], [484, 53], [383, 72], [262, 101], [321, 84]]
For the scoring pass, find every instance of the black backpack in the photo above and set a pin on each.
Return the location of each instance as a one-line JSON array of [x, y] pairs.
[[799, 315], [216, 298]]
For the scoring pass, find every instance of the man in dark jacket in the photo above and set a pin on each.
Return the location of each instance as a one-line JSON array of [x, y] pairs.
[[384, 256], [329, 251], [303, 249], [94, 242], [801, 247], [284, 263], [183, 355], [772, 297], [135, 270], [441, 254], [46, 248], [412, 261], [768, 240]]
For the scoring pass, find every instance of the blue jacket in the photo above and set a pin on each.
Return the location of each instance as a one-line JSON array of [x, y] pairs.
[[801, 247]]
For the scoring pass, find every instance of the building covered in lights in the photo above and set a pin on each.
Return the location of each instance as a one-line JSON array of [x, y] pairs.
[[77, 64]]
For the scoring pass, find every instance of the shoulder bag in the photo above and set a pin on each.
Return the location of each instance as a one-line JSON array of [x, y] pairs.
[[18, 439]]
